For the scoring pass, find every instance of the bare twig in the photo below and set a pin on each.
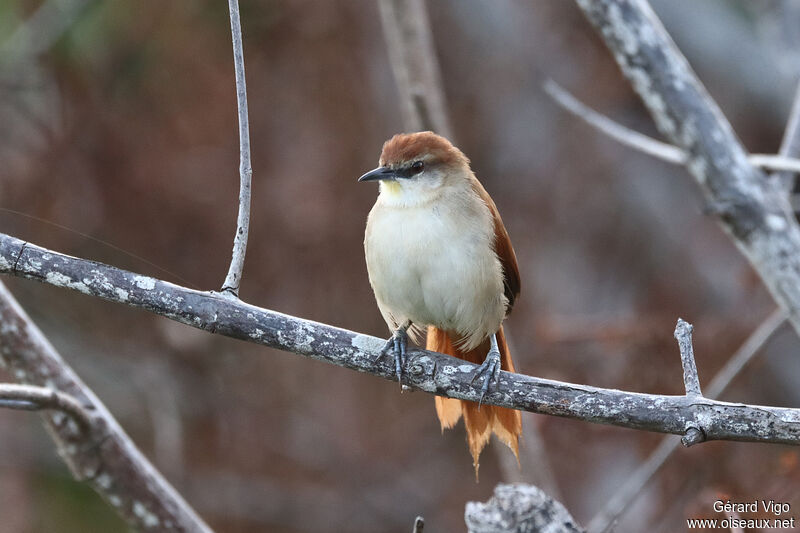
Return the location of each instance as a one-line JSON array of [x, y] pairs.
[[753, 210], [632, 488], [414, 64], [691, 381], [96, 449], [234, 277], [30, 398], [790, 144], [419, 525], [683, 334], [648, 145], [427, 371]]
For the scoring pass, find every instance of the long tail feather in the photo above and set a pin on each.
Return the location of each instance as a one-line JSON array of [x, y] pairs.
[[480, 421]]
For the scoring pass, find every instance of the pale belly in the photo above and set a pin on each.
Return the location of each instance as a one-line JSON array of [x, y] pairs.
[[435, 269]]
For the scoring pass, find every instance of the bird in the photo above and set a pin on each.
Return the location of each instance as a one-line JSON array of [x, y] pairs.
[[440, 262]]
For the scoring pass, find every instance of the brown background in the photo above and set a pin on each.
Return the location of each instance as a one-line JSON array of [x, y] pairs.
[[125, 130]]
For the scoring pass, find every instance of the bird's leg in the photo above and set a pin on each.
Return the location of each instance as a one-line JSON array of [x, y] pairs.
[[490, 367], [398, 343]]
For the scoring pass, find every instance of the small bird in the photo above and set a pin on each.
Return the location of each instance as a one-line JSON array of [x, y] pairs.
[[439, 259]]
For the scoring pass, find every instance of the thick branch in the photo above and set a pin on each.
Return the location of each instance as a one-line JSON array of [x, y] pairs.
[[752, 209], [234, 277], [427, 371], [96, 450]]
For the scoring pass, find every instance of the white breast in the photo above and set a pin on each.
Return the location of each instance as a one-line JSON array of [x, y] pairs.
[[434, 264]]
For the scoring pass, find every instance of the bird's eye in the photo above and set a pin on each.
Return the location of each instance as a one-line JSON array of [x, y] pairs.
[[417, 166]]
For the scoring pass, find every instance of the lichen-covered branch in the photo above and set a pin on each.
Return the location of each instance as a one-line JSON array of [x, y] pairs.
[[754, 210], [519, 508], [234, 277], [89, 439], [427, 371]]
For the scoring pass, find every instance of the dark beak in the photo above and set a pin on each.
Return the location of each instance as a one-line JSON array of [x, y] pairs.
[[380, 173]]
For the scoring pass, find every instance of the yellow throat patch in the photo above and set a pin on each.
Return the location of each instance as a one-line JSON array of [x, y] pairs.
[[392, 188]]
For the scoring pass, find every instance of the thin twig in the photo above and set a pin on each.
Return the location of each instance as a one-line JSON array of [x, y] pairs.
[[427, 371], [632, 488], [419, 525], [683, 334], [32, 398], [414, 64], [790, 144], [618, 132], [234, 277], [648, 145], [691, 381]]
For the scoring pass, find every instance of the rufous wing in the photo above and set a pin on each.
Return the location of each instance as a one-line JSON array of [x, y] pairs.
[[502, 247]]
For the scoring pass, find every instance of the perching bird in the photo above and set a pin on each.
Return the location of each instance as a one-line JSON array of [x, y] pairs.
[[439, 257]]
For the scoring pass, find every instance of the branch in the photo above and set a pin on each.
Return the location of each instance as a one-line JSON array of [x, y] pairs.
[[790, 144], [755, 211], [519, 508], [427, 371], [416, 70], [648, 145], [234, 277], [631, 489], [30, 398], [90, 440], [683, 334]]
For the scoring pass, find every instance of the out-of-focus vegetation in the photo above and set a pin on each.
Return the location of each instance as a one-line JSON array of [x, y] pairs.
[[118, 120]]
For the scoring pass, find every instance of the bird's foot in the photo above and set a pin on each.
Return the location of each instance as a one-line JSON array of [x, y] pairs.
[[398, 344], [489, 369]]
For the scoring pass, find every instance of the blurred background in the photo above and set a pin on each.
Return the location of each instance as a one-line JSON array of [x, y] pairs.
[[118, 121]]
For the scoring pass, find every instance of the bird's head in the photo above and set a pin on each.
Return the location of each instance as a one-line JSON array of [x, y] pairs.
[[416, 167]]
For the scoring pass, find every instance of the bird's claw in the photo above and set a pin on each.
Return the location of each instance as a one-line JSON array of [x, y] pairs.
[[490, 369], [398, 344]]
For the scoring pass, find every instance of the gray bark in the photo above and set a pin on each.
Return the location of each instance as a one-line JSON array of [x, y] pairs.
[[96, 448], [427, 371], [754, 210], [234, 276], [519, 508]]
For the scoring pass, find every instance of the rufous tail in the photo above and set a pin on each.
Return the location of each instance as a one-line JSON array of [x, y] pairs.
[[479, 421]]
